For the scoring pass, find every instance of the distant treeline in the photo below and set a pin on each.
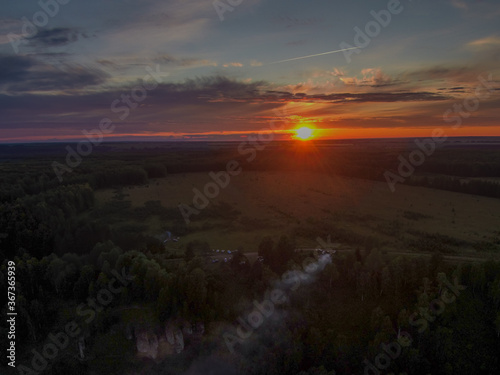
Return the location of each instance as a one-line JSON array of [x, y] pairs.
[[475, 187]]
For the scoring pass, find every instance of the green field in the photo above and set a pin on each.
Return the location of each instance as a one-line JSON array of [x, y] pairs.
[[270, 203]]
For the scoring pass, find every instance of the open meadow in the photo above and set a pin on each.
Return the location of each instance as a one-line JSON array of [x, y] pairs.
[[304, 204]]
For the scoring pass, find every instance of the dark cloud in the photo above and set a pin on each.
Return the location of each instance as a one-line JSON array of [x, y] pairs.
[[20, 74], [171, 60], [453, 90], [222, 88], [52, 58], [458, 88], [14, 68], [57, 36], [197, 91], [453, 74], [380, 97], [122, 64], [195, 105], [439, 72], [212, 88], [107, 63]]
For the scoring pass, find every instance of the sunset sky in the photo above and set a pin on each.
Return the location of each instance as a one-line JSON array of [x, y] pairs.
[[225, 79]]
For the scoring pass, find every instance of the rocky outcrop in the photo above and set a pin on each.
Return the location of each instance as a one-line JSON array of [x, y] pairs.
[[146, 343], [168, 340]]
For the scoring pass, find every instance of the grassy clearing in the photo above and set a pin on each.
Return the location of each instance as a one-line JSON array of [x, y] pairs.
[[256, 204]]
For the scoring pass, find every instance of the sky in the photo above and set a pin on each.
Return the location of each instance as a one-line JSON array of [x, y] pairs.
[[222, 71]]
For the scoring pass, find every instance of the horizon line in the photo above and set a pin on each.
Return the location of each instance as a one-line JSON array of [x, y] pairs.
[[234, 141]]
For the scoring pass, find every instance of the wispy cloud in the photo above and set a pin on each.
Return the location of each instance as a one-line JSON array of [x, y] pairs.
[[233, 64], [490, 41]]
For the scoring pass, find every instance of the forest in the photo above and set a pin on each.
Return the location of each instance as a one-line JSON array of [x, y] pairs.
[[366, 311]]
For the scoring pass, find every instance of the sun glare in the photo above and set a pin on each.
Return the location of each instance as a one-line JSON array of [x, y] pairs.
[[304, 133]]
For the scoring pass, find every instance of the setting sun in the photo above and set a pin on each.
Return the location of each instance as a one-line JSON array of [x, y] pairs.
[[304, 133]]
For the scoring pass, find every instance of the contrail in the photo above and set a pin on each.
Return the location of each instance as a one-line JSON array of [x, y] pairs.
[[318, 54]]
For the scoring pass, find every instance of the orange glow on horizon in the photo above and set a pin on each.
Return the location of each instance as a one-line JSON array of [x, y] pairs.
[[318, 134]]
